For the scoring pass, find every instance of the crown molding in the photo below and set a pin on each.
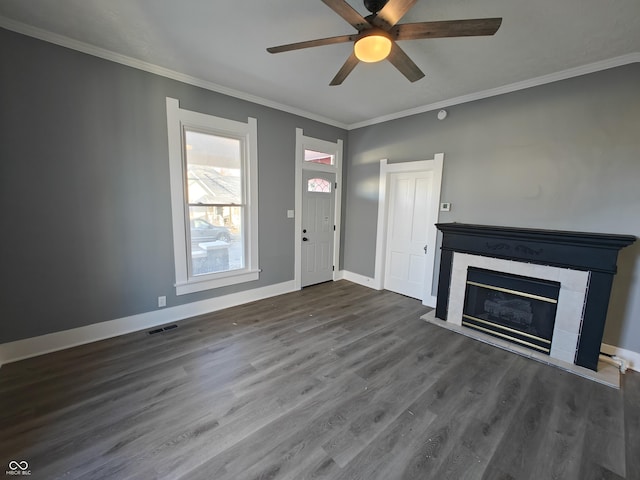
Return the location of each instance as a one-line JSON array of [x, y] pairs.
[[89, 49], [83, 47], [512, 87]]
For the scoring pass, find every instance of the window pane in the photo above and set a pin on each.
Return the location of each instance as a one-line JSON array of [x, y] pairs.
[[216, 239], [318, 157], [214, 168], [318, 185]]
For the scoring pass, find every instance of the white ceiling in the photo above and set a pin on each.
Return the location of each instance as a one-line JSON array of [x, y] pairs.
[[221, 45]]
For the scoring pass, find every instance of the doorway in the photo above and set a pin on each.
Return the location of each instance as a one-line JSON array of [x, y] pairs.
[[409, 196], [408, 220], [318, 207]]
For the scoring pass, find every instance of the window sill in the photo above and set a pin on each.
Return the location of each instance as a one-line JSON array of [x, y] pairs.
[[220, 280]]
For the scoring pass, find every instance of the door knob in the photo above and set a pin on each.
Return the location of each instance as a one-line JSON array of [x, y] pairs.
[[305, 239], [304, 231]]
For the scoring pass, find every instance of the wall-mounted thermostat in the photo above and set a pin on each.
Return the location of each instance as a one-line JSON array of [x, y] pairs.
[[445, 207]]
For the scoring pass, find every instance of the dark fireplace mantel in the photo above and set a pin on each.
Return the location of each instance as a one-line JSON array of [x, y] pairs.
[[596, 253]]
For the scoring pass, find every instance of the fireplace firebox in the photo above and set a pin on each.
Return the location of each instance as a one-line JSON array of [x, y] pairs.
[[519, 309]]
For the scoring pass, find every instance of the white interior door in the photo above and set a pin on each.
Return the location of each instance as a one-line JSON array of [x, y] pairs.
[[408, 224], [318, 204]]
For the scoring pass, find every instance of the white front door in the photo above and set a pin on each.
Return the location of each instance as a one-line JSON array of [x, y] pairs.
[[409, 219], [318, 203]]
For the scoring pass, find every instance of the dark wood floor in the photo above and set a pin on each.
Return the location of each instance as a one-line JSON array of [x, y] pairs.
[[336, 381]]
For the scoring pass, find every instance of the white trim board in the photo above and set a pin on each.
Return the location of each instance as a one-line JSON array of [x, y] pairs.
[[629, 355], [67, 42], [359, 279], [52, 342]]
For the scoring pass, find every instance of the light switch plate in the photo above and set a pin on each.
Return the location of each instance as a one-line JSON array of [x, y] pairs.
[[445, 207]]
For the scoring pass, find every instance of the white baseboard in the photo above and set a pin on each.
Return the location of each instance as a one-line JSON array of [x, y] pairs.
[[31, 347], [359, 279], [630, 356], [430, 301]]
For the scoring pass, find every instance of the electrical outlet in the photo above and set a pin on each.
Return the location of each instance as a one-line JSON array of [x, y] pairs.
[[162, 301]]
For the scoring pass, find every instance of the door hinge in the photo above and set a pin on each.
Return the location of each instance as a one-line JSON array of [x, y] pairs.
[[334, 228], [333, 268], [335, 185]]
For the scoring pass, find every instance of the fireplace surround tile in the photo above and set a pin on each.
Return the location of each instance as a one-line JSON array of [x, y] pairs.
[[564, 345], [569, 311], [570, 304], [574, 280]]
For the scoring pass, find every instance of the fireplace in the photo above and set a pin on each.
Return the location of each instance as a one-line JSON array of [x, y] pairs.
[[519, 309], [547, 291]]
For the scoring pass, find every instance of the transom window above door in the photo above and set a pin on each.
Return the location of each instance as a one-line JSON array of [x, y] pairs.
[[313, 156]]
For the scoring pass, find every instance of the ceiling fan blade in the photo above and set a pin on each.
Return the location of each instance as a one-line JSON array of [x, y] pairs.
[[449, 28], [312, 43], [402, 62], [392, 12], [348, 13], [346, 69]]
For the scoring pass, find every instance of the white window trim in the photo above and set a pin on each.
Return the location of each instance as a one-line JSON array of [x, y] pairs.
[[177, 119], [303, 143]]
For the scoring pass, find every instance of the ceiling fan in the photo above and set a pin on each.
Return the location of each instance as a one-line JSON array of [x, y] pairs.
[[378, 32]]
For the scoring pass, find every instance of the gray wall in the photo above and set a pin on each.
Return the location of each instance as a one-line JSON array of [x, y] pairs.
[[560, 156], [84, 187]]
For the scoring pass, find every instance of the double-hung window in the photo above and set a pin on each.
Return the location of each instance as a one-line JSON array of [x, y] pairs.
[[214, 199]]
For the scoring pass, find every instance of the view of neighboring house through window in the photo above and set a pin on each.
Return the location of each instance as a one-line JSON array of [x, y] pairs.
[[313, 156], [214, 199], [215, 202]]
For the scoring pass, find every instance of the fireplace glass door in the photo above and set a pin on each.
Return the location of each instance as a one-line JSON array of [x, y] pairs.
[[519, 309]]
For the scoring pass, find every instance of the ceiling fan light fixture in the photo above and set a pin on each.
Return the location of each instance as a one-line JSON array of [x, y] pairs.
[[372, 48], [378, 33]]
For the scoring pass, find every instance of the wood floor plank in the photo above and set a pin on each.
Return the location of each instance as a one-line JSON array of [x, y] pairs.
[[526, 432], [308, 418], [387, 456], [566, 433], [605, 430], [495, 414], [631, 386], [336, 381]]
